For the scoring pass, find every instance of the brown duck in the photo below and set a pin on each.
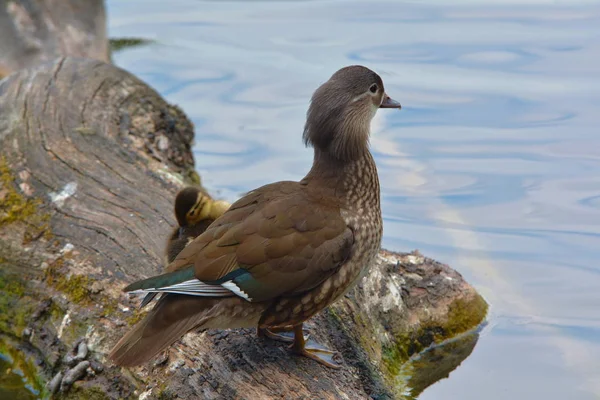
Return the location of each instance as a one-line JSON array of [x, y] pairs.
[[286, 250]]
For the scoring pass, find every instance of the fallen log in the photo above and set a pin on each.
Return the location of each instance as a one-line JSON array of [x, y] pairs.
[[36, 31], [92, 158]]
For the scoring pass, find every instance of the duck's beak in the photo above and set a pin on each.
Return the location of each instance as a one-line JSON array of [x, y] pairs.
[[388, 102]]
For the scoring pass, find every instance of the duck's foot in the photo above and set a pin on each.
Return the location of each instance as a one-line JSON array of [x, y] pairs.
[[314, 350], [285, 334], [320, 354]]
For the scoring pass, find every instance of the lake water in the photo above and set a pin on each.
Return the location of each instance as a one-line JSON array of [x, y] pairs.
[[492, 166]]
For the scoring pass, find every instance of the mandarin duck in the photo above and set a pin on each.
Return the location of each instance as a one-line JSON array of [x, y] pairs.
[[285, 251]]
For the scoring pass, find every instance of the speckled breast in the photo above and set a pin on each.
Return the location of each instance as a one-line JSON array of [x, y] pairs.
[[294, 310]]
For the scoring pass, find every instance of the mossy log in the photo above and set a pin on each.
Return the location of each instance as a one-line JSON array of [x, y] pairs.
[[92, 158], [34, 31]]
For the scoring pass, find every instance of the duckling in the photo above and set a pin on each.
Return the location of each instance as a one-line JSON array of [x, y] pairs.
[[284, 251], [194, 210]]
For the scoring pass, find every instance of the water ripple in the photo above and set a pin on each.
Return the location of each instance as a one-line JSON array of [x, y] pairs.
[[466, 56]]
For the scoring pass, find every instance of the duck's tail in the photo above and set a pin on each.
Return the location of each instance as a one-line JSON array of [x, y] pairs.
[[172, 317]]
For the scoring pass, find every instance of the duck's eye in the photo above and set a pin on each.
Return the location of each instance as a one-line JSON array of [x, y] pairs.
[[373, 88]]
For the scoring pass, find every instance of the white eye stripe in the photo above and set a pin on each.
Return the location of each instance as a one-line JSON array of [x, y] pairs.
[[361, 96]]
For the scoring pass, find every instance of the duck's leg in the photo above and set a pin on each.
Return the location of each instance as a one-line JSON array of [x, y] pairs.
[[284, 334], [313, 350]]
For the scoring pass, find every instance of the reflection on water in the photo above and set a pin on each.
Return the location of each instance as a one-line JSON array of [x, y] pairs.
[[492, 165], [434, 364], [17, 374]]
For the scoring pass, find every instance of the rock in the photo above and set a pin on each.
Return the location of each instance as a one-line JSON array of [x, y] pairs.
[[161, 359], [74, 374], [96, 366], [54, 384], [69, 359], [82, 351], [42, 308], [77, 354], [26, 333]]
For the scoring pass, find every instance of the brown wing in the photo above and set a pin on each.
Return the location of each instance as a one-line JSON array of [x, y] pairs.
[[276, 241], [236, 213]]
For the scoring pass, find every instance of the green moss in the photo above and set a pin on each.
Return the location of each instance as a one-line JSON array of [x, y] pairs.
[[135, 317], [14, 207], [75, 287], [398, 352], [164, 393], [110, 306], [15, 305], [193, 177], [124, 43], [465, 315], [56, 312], [363, 331], [80, 392]]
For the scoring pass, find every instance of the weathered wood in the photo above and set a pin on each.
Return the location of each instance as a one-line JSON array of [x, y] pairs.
[[91, 160], [35, 31]]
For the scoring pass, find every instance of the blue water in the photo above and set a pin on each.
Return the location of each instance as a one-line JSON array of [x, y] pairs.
[[492, 166]]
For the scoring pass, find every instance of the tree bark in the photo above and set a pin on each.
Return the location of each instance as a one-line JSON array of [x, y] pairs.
[[34, 31], [91, 161]]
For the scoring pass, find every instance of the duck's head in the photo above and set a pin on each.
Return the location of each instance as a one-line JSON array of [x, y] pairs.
[[188, 204], [193, 205], [340, 113]]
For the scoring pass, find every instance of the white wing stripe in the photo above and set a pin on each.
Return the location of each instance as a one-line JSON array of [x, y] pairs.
[[236, 289], [215, 293], [195, 287], [192, 287], [198, 294]]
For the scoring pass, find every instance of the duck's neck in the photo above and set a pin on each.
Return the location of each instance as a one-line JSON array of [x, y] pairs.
[[353, 181]]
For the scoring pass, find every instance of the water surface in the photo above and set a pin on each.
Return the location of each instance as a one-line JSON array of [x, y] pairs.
[[492, 166]]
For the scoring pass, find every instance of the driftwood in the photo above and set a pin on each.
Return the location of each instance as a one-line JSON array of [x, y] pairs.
[[91, 161], [34, 31]]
